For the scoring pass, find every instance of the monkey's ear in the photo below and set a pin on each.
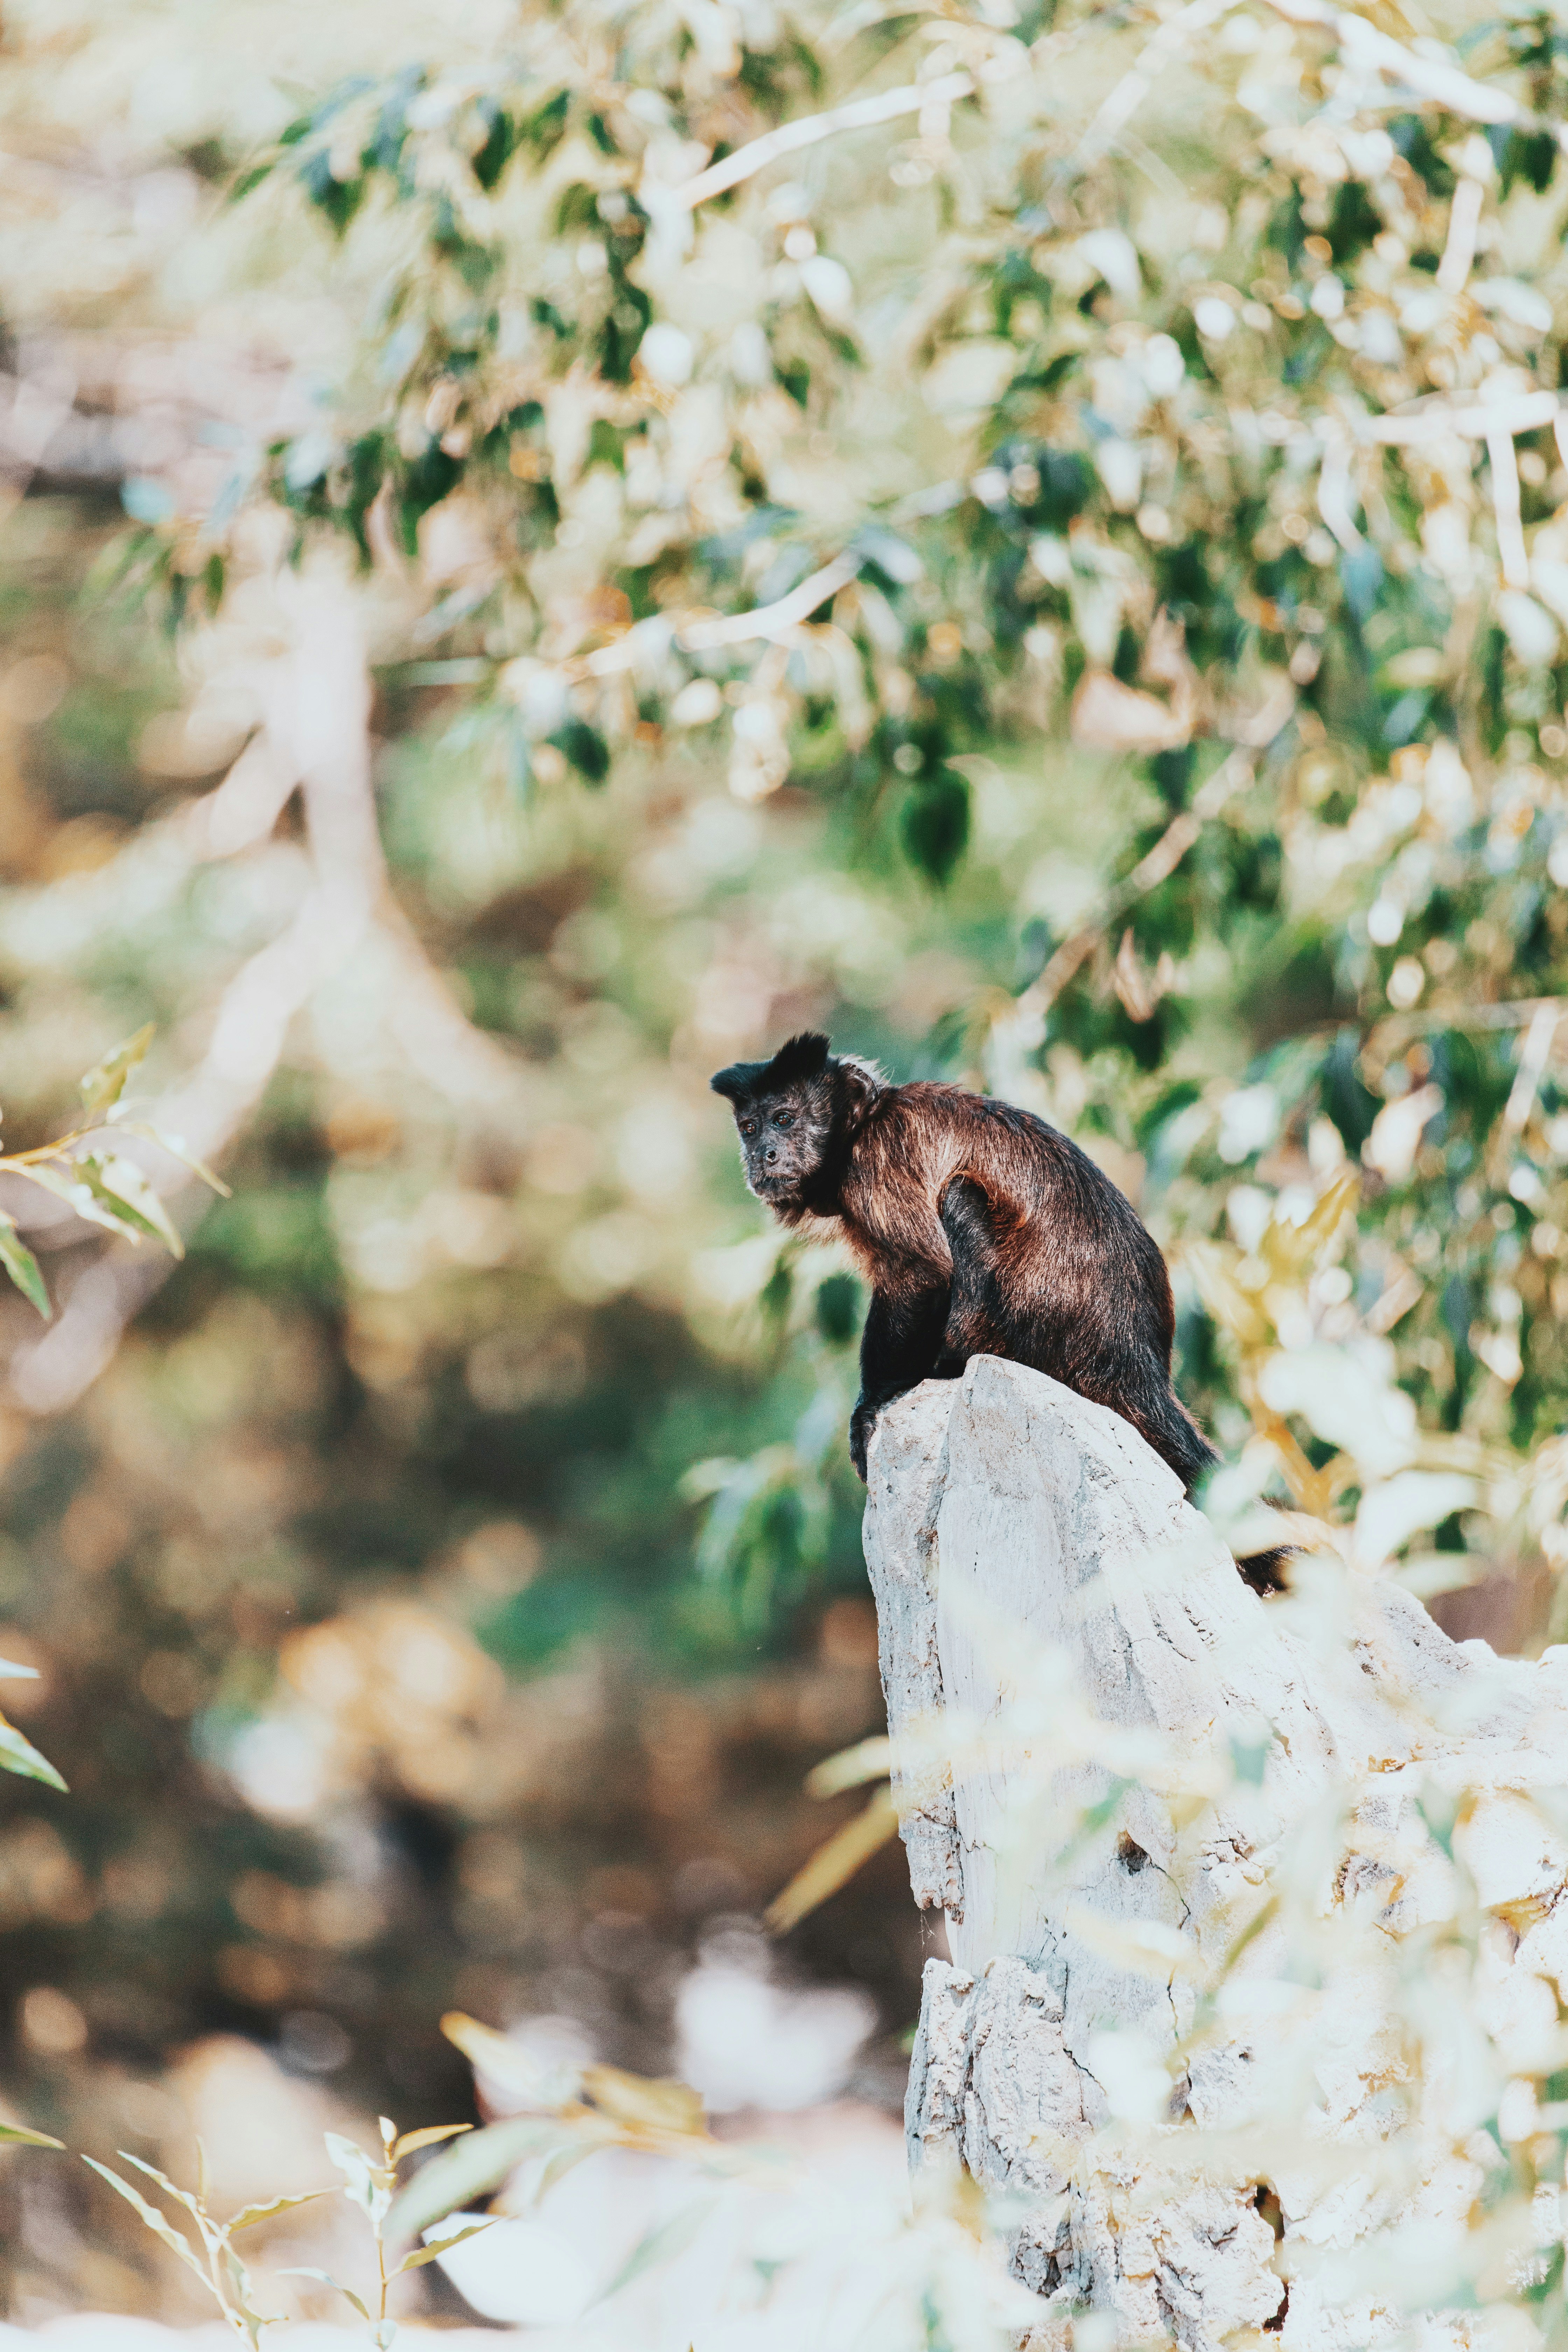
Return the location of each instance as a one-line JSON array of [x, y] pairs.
[[804, 1056], [859, 1084], [738, 1081]]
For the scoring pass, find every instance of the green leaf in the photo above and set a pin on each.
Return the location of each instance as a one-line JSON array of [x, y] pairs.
[[18, 2134], [22, 1266], [159, 2223], [431, 2137], [177, 1149], [660, 2245], [556, 2167], [249, 2215], [838, 1308], [19, 1756], [91, 1205], [123, 1183], [424, 2254], [103, 1086], [367, 2186], [248, 181], [476, 2164], [936, 825], [585, 748], [211, 2235], [326, 2278]]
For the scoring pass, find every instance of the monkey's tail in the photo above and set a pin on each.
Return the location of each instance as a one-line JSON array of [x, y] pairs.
[[1175, 1437], [1265, 1571]]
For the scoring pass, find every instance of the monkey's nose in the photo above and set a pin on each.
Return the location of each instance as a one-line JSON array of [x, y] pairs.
[[769, 1156]]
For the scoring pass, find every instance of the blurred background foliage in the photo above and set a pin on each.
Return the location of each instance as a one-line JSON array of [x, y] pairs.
[[520, 582]]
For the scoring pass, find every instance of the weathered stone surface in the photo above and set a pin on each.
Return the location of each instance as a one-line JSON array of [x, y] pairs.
[[1034, 1563], [904, 1484]]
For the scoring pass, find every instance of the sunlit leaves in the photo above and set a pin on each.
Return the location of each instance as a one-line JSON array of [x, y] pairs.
[[22, 1266], [18, 2135], [369, 2186], [17, 1753], [835, 1864], [102, 1087], [104, 1188]]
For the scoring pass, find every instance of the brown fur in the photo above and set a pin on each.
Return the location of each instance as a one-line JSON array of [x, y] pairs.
[[981, 1230]]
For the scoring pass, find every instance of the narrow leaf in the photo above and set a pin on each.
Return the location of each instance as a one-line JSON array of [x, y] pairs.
[[660, 2245], [326, 2278], [366, 2185], [507, 2063], [127, 1186], [429, 2137], [868, 1760], [565, 2160], [249, 2215], [835, 1864], [424, 2254], [159, 2223], [177, 1149], [211, 2237], [19, 1756], [95, 1207], [644, 2104], [104, 1085], [23, 1267], [474, 2165], [22, 2137]]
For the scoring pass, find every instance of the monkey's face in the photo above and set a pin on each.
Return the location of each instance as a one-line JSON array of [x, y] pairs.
[[784, 1141]]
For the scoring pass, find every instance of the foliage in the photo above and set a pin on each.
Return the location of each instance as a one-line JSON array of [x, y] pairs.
[[950, 2287], [1202, 443], [1056, 574], [103, 1187], [370, 2182]]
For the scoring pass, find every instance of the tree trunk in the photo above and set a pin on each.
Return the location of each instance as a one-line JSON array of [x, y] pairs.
[[1077, 1587]]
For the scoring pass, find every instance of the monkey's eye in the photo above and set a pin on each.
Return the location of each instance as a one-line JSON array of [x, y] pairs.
[[748, 1127], [784, 1118]]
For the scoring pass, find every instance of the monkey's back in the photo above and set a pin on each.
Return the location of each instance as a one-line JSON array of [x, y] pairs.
[[1049, 1263]]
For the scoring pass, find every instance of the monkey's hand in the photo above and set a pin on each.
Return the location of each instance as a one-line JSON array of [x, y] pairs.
[[862, 1421]]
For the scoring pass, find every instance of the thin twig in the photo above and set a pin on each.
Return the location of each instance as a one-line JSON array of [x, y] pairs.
[[1159, 54], [1433, 78], [1152, 869], [1526, 412], [791, 137]]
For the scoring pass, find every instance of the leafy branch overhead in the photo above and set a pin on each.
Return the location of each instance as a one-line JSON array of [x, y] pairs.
[[575, 2115], [103, 1184], [925, 422]]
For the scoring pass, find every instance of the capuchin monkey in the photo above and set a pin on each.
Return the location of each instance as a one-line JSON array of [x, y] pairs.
[[981, 1231]]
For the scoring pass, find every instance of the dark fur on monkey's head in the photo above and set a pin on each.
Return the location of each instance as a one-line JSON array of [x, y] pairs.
[[797, 1115]]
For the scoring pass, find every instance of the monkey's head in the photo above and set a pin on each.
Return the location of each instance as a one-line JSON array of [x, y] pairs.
[[796, 1115]]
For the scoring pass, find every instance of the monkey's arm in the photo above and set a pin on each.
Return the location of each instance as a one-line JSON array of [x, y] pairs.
[[902, 1342]]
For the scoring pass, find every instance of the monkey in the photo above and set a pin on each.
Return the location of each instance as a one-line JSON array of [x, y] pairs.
[[981, 1230]]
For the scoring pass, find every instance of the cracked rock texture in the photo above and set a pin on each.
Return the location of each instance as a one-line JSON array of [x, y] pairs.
[[1035, 1564]]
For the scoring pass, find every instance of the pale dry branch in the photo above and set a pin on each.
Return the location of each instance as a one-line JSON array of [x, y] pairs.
[[1446, 84], [1159, 54], [1460, 252], [1512, 552], [790, 138], [315, 735], [1441, 419], [1028, 1009], [776, 620]]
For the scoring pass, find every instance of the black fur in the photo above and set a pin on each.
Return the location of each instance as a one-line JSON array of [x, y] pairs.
[[982, 1232]]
